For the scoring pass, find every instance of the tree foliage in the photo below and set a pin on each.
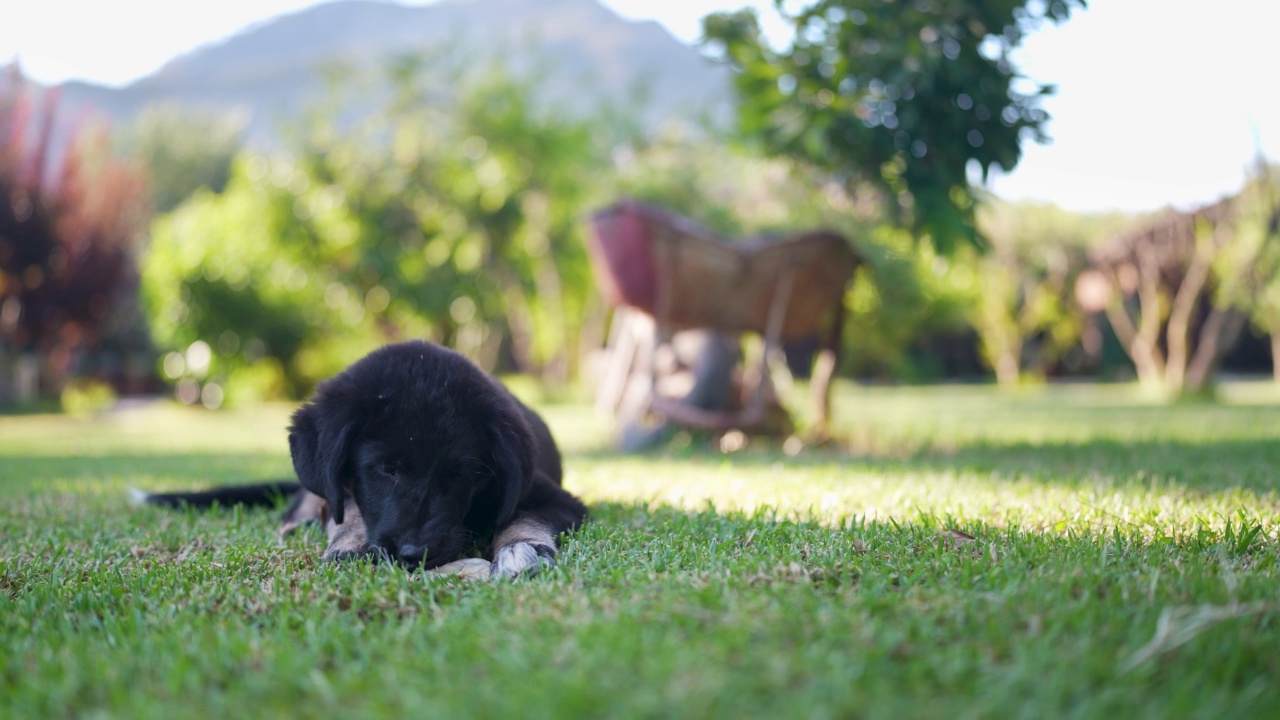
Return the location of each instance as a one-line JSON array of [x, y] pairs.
[[905, 96], [1179, 290], [1248, 270], [70, 222], [733, 191], [182, 151], [1026, 313], [453, 213]]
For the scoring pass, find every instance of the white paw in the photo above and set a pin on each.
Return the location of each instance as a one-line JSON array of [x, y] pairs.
[[522, 558], [138, 497]]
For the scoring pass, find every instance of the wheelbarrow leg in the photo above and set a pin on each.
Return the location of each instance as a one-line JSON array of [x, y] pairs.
[[824, 369], [754, 410], [621, 359], [638, 386], [666, 256]]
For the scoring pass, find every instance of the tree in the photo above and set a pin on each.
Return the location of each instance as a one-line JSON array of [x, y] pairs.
[[473, 214], [1024, 310], [1179, 290], [903, 96], [245, 295], [1252, 264], [452, 213], [182, 151], [69, 227]]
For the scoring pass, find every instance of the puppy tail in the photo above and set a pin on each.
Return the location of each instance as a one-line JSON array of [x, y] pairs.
[[268, 494]]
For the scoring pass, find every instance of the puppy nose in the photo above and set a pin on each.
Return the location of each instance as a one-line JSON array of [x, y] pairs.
[[411, 553]]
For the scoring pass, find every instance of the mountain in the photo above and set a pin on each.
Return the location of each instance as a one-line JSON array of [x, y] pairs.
[[272, 71]]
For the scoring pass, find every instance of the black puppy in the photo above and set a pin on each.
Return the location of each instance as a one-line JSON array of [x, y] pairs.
[[414, 454]]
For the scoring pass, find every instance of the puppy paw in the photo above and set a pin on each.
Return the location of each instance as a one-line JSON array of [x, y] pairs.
[[350, 553], [522, 558], [289, 527]]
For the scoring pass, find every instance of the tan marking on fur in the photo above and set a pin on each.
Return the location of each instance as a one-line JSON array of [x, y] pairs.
[[351, 537], [514, 551], [311, 508], [524, 529]]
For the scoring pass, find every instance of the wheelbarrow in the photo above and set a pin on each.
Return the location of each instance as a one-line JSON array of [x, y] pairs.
[[686, 277]]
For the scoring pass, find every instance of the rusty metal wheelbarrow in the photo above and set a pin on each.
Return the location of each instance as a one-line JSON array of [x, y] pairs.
[[685, 277]]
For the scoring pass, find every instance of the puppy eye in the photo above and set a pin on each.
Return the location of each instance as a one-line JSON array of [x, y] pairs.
[[387, 470]]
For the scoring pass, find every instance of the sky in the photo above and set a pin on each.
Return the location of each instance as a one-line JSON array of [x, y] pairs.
[[1159, 102]]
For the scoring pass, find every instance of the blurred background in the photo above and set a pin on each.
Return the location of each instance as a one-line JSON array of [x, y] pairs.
[[227, 203]]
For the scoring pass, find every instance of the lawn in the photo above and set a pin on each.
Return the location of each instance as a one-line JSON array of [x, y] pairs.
[[1070, 551]]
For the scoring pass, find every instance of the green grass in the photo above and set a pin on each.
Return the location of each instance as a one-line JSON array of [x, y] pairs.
[[1124, 566]]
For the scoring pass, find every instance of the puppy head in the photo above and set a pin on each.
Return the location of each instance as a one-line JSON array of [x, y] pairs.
[[432, 450]]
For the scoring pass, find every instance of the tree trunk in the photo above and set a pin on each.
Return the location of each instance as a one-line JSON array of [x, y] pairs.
[[1178, 328], [556, 363], [520, 322], [1275, 356], [1140, 347], [1218, 335], [1139, 341], [1008, 370]]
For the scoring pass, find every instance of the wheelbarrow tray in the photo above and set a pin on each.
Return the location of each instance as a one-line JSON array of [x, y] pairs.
[[687, 277]]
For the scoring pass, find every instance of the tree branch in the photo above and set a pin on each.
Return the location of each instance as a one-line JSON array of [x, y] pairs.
[[1218, 333], [1184, 303]]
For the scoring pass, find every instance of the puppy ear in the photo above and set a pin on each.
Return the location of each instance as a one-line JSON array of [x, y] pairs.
[[512, 463], [319, 446]]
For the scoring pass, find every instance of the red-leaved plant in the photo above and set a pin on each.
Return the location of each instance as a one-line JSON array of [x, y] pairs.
[[71, 219]]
